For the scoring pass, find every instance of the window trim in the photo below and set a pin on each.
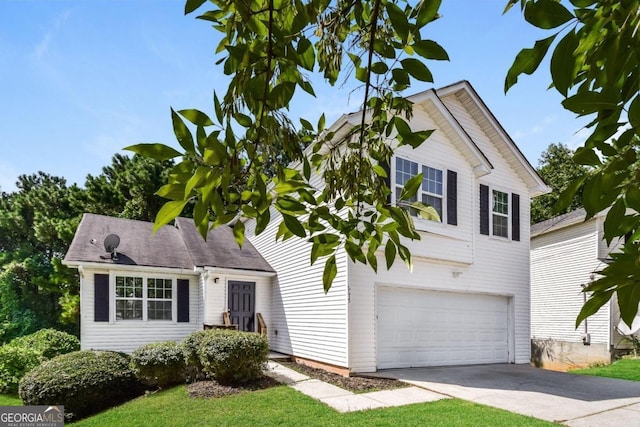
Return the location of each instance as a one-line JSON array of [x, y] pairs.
[[508, 216], [145, 299], [421, 191]]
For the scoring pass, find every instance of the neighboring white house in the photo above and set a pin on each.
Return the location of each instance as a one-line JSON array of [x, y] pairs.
[[163, 286], [566, 253], [466, 300]]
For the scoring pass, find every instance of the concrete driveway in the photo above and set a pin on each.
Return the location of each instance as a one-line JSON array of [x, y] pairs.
[[575, 400]]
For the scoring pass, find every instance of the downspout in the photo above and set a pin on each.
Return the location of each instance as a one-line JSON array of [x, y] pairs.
[[586, 337]]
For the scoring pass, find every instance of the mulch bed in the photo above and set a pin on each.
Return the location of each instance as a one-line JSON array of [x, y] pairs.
[[353, 384], [209, 389]]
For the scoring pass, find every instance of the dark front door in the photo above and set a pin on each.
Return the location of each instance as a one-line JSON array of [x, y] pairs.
[[242, 296]]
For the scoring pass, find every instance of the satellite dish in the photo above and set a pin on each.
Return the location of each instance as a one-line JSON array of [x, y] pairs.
[[111, 242], [624, 329]]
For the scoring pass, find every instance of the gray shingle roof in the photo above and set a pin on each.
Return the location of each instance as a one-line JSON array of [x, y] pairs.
[[178, 246], [557, 222], [220, 249]]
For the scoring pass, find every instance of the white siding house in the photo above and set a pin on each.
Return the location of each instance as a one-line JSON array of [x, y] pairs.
[[566, 253], [467, 299], [163, 286]]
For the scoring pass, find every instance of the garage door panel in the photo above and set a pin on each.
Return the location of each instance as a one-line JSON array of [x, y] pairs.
[[431, 328]]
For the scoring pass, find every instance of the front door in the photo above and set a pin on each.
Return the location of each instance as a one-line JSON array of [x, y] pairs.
[[242, 297]]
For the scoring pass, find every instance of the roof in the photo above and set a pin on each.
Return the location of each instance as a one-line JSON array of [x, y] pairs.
[[178, 246], [558, 222], [220, 249]]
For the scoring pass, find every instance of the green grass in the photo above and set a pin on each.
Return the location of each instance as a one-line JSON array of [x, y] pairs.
[[624, 369], [9, 400], [283, 406]]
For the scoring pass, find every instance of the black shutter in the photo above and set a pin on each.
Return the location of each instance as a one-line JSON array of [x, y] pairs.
[[101, 297], [183, 300], [484, 209], [452, 197], [515, 217]]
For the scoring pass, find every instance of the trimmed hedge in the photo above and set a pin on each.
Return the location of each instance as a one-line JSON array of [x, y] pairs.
[[49, 343], [190, 346], [232, 357], [85, 382], [25, 353], [159, 364]]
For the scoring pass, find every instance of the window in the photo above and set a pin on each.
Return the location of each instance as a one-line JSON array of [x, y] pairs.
[[139, 298], [431, 189], [500, 214]]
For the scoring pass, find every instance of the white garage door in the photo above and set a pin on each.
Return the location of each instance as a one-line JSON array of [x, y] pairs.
[[428, 328]]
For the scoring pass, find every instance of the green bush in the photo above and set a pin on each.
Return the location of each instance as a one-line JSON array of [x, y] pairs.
[[159, 364], [25, 353], [49, 343], [233, 357], [15, 362], [85, 382], [190, 346]]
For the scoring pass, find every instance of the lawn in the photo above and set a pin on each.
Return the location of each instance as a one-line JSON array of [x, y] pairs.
[[624, 369], [7, 400], [283, 406]]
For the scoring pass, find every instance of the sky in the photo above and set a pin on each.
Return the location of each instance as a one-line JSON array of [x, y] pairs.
[[80, 80]]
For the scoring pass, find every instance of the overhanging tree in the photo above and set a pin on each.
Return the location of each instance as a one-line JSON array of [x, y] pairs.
[[595, 66], [269, 48]]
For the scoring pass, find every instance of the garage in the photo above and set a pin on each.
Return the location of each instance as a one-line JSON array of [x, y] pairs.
[[418, 327]]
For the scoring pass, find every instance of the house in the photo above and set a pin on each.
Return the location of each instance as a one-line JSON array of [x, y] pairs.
[[566, 251], [466, 300], [162, 286]]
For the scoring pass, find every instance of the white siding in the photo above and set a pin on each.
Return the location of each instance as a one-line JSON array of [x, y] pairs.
[[128, 335], [305, 321], [561, 262]]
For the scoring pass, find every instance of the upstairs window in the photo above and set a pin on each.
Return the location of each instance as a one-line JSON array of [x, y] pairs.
[[500, 214], [435, 190]]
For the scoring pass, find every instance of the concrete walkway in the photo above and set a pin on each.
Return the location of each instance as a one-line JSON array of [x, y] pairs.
[[345, 401], [574, 400]]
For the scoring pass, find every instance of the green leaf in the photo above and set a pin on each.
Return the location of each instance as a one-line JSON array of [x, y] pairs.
[[527, 61], [192, 5], [628, 300], [380, 171], [293, 225], [430, 50], [614, 219], [546, 14], [168, 213], [632, 197], [182, 132], [196, 117], [390, 253], [586, 156], [195, 180], [634, 112], [427, 12], [306, 54], [171, 191], [425, 211], [417, 69], [398, 20], [330, 272], [243, 120], [155, 151], [238, 232], [281, 95], [411, 187], [563, 63], [588, 102], [593, 304]]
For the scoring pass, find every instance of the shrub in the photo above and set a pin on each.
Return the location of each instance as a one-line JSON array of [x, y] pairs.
[[25, 353], [49, 343], [159, 364], [85, 382], [15, 362], [233, 357], [190, 346]]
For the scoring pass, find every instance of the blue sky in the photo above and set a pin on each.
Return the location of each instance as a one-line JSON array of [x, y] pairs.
[[79, 80]]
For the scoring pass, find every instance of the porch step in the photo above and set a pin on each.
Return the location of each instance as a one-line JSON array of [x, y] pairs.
[[275, 356]]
